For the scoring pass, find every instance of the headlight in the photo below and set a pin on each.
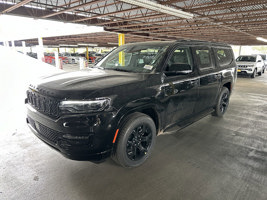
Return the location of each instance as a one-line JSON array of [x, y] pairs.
[[80, 106]]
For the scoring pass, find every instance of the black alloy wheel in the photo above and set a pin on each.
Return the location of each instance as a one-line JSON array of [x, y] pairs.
[[136, 139], [139, 142], [222, 103]]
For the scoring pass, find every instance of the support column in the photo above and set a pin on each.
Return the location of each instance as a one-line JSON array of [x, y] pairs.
[[82, 64], [57, 60], [240, 49], [87, 54], [7, 43], [40, 51], [24, 47], [12, 44], [121, 54]]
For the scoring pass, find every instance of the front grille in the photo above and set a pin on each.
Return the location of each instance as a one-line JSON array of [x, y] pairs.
[[48, 133], [43, 104], [244, 66]]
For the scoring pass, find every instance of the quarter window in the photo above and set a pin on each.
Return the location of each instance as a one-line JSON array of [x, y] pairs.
[[203, 58]]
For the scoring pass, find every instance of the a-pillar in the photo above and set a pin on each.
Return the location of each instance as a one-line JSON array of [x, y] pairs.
[[40, 51], [121, 53]]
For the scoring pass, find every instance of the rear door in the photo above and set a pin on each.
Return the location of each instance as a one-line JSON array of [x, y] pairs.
[[210, 78]]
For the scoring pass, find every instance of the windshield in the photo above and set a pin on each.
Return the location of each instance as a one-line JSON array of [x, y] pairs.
[[134, 58], [246, 58]]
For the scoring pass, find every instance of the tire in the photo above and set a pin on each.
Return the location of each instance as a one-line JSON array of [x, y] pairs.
[[254, 73], [263, 71], [259, 73], [135, 141], [223, 102]]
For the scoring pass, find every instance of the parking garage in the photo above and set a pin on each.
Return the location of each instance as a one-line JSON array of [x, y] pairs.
[[213, 158]]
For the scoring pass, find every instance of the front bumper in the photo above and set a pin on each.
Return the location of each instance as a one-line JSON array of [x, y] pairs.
[[77, 137], [244, 72]]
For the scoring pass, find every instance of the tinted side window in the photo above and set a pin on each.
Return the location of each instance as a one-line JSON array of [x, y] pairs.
[[182, 58], [203, 57], [224, 56]]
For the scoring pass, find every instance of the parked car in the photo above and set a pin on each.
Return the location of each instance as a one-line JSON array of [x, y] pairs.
[[73, 58], [50, 58], [91, 58], [33, 55], [135, 93], [250, 65]]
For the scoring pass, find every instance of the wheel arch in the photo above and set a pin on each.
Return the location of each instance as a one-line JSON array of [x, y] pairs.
[[147, 110], [228, 85]]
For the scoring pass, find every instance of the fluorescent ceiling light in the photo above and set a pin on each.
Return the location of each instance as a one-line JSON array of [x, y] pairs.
[[6, 2], [159, 8], [261, 39], [51, 46], [90, 45], [67, 45]]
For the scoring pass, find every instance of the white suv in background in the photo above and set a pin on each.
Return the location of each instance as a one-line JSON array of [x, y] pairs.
[[250, 65]]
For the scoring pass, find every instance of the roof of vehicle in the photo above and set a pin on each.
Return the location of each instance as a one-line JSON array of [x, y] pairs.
[[263, 56], [192, 42], [254, 55]]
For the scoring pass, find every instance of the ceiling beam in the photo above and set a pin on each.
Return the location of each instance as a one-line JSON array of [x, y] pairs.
[[72, 8], [104, 15], [219, 6], [22, 3], [130, 19]]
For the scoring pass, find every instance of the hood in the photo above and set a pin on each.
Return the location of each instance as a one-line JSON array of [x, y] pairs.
[[245, 63], [83, 83]]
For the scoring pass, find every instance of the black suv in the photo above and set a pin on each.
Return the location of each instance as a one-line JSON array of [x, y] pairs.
[[133, 94]]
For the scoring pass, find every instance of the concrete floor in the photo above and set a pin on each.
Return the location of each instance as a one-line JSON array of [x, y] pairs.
[[212, 159]]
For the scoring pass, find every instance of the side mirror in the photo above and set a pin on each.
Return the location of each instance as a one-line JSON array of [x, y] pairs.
[[259, 61], [178, 69]]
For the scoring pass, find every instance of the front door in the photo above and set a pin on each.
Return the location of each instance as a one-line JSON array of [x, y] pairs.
[[180, 86]]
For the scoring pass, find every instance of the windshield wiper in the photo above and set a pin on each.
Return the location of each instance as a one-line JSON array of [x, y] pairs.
[[98, 67], [118, 69]]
